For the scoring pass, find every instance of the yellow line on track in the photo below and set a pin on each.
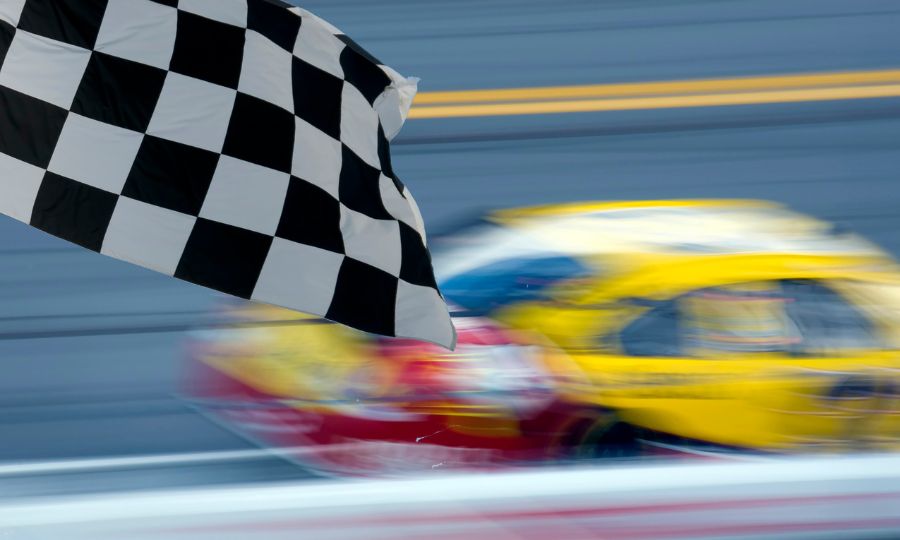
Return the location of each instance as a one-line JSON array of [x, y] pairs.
[[659, 95]]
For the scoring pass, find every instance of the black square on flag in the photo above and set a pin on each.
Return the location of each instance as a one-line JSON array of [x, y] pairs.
[[261, 133], [75, 22], [366, 76], [311, 216], [209, 50], [317, 97], [45, 122], [365, 297], [359, 186], [213, 246], [73, 211], [170, 174], [268, 19], [119, 91]]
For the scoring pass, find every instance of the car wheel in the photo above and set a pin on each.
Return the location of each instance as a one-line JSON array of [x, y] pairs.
[[610, 440]]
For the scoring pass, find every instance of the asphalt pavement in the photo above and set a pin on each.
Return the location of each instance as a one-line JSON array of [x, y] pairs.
[[90, 348]]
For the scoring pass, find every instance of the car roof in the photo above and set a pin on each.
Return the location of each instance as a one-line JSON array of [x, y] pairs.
[[597, 230]]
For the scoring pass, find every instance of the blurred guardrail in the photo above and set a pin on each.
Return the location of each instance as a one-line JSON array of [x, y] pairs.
[[850, 497]]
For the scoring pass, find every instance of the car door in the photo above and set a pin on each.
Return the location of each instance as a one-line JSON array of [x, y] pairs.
[[769, 364]]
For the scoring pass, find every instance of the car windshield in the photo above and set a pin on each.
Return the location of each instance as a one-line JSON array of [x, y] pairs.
[[508, 281]]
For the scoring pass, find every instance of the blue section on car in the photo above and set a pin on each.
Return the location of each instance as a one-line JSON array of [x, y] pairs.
[[509, 281]]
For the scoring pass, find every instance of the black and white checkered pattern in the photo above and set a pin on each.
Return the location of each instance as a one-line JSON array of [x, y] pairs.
[[238, 144]]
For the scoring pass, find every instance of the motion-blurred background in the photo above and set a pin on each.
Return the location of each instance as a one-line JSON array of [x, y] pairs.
[[94, 352]]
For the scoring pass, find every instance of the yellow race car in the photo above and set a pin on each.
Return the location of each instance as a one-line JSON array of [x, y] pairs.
[[589, 329], [738, 323]]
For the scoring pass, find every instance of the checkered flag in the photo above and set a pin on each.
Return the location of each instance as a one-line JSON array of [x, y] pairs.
[[238, 144]]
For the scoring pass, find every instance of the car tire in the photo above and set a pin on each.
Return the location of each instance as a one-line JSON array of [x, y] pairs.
[[610, 440]]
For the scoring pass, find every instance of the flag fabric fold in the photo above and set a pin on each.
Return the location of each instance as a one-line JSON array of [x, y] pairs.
[[242, 145]]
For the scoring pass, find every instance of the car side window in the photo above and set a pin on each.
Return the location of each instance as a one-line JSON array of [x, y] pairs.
[[738, 319], [655, 333], [827, 322], [791, 317]]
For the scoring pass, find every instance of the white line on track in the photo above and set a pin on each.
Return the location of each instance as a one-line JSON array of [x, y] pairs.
[[158, 460]]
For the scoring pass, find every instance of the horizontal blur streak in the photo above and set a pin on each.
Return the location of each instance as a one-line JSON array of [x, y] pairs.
[[230, 458], [778, 498], [806, 80], [659, 95]]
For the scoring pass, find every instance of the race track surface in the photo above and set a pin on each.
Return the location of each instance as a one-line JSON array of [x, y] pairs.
[[90, 347]]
